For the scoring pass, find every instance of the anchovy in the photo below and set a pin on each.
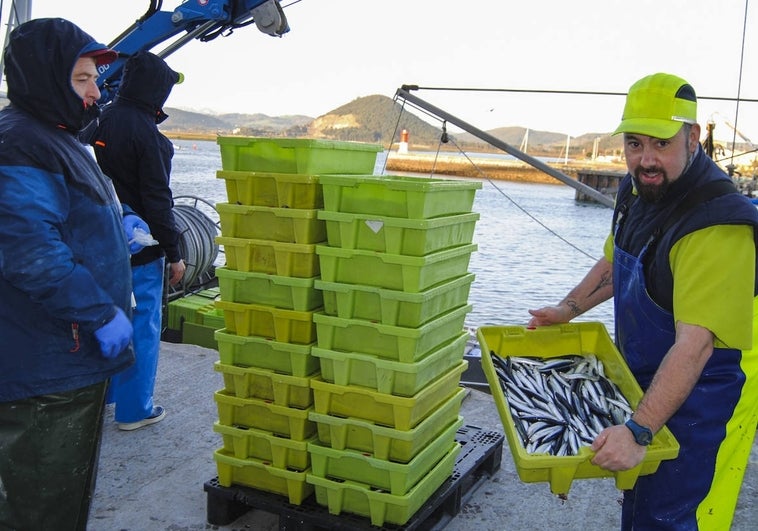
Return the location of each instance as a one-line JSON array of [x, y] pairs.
[[559, 404]]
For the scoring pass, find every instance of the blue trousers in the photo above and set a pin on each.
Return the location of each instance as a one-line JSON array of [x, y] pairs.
[[132, 389]]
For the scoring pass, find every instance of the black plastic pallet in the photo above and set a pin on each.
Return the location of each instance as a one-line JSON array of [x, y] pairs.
[[479, 459]]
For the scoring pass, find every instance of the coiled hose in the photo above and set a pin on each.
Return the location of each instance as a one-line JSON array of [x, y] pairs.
[[198, 241]]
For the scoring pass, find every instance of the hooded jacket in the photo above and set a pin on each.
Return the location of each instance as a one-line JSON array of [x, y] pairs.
[[64, 259], [137, 156]]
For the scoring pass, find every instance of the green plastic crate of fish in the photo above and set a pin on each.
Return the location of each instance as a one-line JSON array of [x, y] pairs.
[[398, 196], [285, 190], [262, 475], [245, 443], [412, 237], [382, 507], [290, 225], [383, 442], [389, 376], [296, 155], [399, 412], [589, 340]]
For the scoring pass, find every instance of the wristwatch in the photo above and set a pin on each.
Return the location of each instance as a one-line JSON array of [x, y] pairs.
[[642, 434]]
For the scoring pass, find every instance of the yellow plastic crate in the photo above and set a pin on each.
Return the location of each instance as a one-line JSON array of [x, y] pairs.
[[382, 507], [263, 415], [285, 190], [289, 293], [393, 307], [397, 478], [265, 353], [387, 376], [288, 326], [262, 476], [399, 446], [393, 271], [251, 382], [402, 413], [244, 443], [268, 256], [590, 338], [390, 342], [398, 196], [412, 237], [290, 225], [296, 155]]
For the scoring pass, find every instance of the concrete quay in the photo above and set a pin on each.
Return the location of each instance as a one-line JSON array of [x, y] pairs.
[[152, 479]]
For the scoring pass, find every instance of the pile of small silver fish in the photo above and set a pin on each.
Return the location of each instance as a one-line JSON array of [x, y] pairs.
[[559, 404]]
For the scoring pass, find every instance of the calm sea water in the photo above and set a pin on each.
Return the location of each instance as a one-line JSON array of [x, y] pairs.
[[535, 242]]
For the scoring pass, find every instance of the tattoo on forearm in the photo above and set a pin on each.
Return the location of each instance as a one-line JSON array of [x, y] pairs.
[[574, 307], [605, 280]]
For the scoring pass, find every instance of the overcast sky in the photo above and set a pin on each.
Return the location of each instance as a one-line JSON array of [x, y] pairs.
[[339, 50]]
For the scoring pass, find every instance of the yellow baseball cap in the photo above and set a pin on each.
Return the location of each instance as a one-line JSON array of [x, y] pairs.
[[658, 105]]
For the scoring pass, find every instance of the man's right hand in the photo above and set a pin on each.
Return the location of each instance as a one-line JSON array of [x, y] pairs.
[[115, 335]]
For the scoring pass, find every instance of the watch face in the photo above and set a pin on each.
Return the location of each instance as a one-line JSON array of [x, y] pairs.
[[644, 437]]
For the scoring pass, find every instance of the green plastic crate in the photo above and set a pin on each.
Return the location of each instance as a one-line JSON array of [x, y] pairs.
[[389, 342], [398, 196], [287, 326], [268, 256], [398, 412], [289, 293], [198, 334], [382, 507], [290, 225], [383, 442], [185, 309], [261, 475], [393, 271], [296, 155], [285, 190], [394, 307], [391, 377], [263, 415], [253, 382], [590, 338], [397, 478], [244, 443], [252, 351], [412, 237]]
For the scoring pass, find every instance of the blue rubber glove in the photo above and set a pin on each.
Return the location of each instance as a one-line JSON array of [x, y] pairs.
[[114, 335], [132, 222]]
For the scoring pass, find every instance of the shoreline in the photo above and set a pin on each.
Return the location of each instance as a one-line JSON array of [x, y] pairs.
[[492, 168]]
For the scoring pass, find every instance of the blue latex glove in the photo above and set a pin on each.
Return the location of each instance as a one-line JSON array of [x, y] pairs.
[[132, 222], [114, 335]]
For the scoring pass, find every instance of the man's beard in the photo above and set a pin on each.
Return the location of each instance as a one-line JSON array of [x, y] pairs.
[[652, 193]]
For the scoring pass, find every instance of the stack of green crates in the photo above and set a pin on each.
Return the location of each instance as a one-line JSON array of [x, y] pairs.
[[269, 230], [390, 341]]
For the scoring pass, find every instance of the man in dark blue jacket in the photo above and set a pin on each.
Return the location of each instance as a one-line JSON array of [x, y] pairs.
[[65, 283], [137, 157]]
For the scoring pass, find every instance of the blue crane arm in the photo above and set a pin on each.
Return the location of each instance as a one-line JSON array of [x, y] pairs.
[[192, 20]]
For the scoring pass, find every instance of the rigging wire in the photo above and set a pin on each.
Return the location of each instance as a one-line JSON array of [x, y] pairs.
[[568, 92], [445, 138], [739, 82]]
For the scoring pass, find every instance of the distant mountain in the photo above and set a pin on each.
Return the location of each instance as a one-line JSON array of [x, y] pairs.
[[376, 119]]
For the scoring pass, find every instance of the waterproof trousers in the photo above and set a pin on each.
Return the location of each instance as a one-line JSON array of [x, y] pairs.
[[132, 389], [49, 449]]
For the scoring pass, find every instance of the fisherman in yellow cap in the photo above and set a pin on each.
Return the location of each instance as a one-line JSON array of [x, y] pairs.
[[681, 267]]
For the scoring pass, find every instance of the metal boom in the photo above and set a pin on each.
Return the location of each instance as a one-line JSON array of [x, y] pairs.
[[603, 199]]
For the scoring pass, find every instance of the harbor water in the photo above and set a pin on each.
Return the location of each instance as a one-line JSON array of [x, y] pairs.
[[535, 242]]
